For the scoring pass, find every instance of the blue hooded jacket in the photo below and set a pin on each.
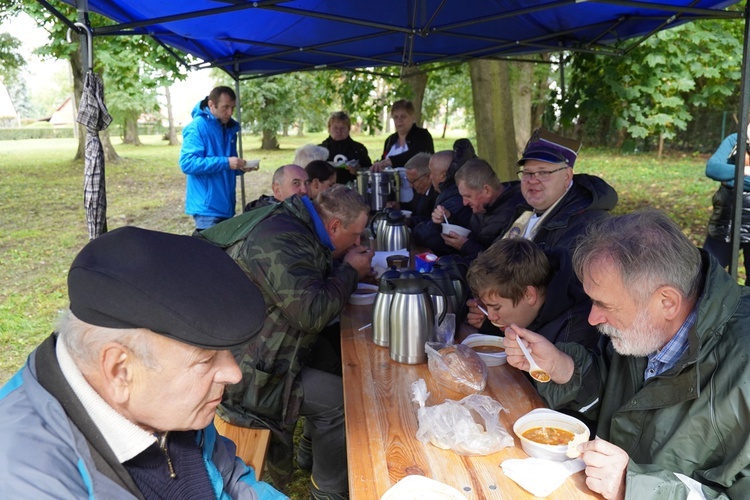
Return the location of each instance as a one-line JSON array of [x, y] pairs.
[[206, 148]]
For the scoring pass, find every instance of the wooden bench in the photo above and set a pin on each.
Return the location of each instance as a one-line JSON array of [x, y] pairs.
[[252, 443]]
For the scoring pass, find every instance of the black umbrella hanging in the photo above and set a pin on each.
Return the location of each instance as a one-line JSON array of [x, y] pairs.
[[93, 115]]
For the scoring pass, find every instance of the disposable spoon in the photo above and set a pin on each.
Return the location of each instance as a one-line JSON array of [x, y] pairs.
[[446, 218], [534, 370], [484, 311]]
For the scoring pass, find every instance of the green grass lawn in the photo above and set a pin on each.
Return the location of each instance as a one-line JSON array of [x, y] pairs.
[[44, 226]]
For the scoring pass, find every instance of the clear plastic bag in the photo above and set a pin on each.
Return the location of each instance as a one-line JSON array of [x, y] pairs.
[[445, 330], [469, 427], [457, 367]]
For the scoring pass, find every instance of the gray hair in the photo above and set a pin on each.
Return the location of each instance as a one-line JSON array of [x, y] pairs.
[[477, 173], [647, 249], [340, 116], [442, 159], [419, 162], [85, 341], [341, 202], [309, 152]]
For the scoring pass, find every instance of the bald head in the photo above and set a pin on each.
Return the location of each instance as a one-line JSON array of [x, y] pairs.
[[289, 180], [439, 164]]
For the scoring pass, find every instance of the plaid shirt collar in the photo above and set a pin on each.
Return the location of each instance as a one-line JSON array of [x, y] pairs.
[[665, 359]]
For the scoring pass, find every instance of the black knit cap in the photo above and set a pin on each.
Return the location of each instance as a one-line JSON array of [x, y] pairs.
[[178, 286]]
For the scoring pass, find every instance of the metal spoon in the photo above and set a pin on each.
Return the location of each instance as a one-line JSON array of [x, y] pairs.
[[536, 373]]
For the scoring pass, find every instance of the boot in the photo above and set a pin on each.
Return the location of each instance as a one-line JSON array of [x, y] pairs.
[[316, 494], [304, 454]]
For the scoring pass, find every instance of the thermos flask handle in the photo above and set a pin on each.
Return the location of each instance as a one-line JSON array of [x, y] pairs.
[[430, 284]]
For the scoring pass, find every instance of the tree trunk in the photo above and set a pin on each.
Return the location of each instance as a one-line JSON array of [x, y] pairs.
[[110, 155], [130, 135], [172, 133], [447, 113], [540, 90], [522, 88], [493, 114], [77, 71], [269, 140], [301, 129], [417, 80], [661, 146]]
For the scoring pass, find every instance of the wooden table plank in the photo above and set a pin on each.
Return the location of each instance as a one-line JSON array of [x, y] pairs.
[[381, 423]]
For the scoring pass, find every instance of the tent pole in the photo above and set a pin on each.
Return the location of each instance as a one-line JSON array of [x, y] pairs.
[[739, 177], [87, 46], [239, 139]]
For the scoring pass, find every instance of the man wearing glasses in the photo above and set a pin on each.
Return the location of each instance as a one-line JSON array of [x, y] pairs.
[[559, 205], [418, 176]]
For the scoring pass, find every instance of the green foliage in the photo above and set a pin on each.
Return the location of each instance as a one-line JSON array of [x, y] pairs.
[[10, 60], [274, 103], [133, 68], [16, 133], [364, 95], [277, 103], [447, 91], [657, 88]]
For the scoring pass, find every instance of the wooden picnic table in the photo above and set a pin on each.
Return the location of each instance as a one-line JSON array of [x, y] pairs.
[[381, 424]]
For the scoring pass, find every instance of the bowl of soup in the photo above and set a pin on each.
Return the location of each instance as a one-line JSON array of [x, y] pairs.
[[546, 433], [489, 347], [455, 228], [364, 294]]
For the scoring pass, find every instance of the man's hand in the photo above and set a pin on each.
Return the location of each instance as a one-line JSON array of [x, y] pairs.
[[360, 258], [558, 365], [474, 317], [438, 213], [454, 240], [605, 468], [236, 163], [381, 165]]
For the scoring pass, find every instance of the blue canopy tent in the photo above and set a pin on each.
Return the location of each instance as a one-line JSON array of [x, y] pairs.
[[250, 39]]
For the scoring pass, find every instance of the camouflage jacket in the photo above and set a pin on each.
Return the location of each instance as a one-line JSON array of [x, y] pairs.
[[304, 289]]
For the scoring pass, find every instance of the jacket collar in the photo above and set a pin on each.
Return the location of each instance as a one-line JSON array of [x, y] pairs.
[[51, 378]]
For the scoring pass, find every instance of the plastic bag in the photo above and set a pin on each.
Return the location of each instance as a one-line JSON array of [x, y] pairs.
[[445, 330], [457, 367], [469, 427]]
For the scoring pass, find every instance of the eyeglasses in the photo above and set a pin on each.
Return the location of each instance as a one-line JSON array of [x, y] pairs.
[[411, 183], [541, 175]]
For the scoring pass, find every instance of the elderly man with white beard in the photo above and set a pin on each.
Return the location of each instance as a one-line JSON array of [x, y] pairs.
[[670, 385]]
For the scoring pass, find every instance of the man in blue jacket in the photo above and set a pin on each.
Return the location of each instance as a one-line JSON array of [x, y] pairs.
[[210, 161], [119, 401]]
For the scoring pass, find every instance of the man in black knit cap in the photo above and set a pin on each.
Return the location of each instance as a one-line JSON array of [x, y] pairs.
[[119, 401]]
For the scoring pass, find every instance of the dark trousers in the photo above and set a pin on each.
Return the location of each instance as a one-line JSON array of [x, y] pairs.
[[323, 409], [722, 251]]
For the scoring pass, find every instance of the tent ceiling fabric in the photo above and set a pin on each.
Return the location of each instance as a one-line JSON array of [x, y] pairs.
[[276, 36]]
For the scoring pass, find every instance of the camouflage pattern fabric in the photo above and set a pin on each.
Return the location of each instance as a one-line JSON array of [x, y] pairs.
[[304, 290]]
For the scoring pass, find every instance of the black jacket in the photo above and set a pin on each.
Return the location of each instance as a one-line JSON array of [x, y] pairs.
[[587, 200], [418, 139], [427, 233], [421, 206], [564, 314], [350, 150], [263, 201], [487, 227], [720, 222]]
